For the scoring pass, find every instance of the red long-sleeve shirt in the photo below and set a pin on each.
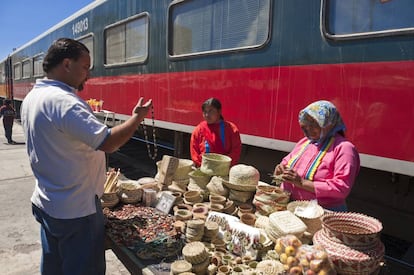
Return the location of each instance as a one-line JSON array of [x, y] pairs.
[[211, 133]]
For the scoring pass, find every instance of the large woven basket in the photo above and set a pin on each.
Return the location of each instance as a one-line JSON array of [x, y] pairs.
[[352, 229], [215, 164], [350, 261]]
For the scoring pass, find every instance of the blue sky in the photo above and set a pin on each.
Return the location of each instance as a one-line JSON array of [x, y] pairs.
[[23, 20]]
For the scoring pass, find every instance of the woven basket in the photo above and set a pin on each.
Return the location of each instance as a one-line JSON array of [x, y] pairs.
[[195, 252], [183, 215], [269, 267], [349, 261], [184, 167], [199, 178], [218, 199], [242, 178], [352, 229], [180, 266], [283, 223], [109, 199], [215, 186], [272, 193], [313, 222], [130, 192], [240, 196], [201, 268], [215, 164], [229, 207]]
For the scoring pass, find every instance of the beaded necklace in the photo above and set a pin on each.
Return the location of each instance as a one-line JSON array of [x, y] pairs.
[[151, 155]]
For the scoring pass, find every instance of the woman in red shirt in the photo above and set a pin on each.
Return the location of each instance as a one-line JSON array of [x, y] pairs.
[[214, 134]]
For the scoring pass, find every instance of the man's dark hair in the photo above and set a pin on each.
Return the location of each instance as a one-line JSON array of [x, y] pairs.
[[61, 49]]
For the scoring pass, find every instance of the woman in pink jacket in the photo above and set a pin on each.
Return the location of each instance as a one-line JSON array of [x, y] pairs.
[[324, 164]]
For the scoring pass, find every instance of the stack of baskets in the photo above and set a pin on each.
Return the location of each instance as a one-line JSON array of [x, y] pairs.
[[269, 199], [180, 266], [197, 254], [198, 182], [180, 178], [194, 230], [352, 241]]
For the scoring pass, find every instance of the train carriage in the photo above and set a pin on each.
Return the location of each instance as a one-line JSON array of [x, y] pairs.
[[265, 60]]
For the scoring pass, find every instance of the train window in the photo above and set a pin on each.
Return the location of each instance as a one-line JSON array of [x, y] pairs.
[[363, 18], [217, 25], [127, 42], [26, 66], [38, 65], [17, 69], [88, 42]]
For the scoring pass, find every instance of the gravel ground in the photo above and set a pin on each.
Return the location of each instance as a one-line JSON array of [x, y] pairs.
[[20, 247]]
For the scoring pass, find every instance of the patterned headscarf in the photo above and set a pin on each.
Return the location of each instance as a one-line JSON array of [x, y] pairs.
[[327, 117]]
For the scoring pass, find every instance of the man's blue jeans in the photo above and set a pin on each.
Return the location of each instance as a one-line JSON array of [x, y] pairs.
[[72, 246]]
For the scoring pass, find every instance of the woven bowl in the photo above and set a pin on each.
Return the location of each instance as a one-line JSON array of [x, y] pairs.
[[199, 178], [352, 229], [215, 164], [130, 192], [313, 222], [192, 196], [248, 218], [349, 261], [109, 199], [272, 193]]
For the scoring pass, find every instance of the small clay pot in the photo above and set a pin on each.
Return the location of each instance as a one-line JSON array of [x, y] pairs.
[[248, 218]]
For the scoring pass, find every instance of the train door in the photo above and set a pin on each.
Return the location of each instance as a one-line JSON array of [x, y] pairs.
[[8, 78]]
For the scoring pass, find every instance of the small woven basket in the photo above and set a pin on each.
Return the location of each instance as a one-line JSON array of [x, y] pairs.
[[130, 192], [184, 167], [269, 267], [109, 199], [282, 223], [195, 252], [312, 219], [180, 266]]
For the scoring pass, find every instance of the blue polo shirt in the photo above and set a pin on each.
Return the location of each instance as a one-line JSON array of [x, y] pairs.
[[62, 136]]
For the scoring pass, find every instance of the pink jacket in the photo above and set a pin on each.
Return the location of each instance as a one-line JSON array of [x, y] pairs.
[[334, 177]]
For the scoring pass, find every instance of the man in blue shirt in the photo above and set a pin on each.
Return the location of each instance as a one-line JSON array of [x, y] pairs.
[[66, 145]]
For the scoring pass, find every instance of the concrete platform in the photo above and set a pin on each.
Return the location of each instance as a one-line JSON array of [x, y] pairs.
[[20, 248]]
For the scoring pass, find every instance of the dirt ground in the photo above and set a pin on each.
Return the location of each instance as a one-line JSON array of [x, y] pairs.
[[20, 247]]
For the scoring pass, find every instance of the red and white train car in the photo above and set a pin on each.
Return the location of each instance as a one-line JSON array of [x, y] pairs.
[[265, 60]]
